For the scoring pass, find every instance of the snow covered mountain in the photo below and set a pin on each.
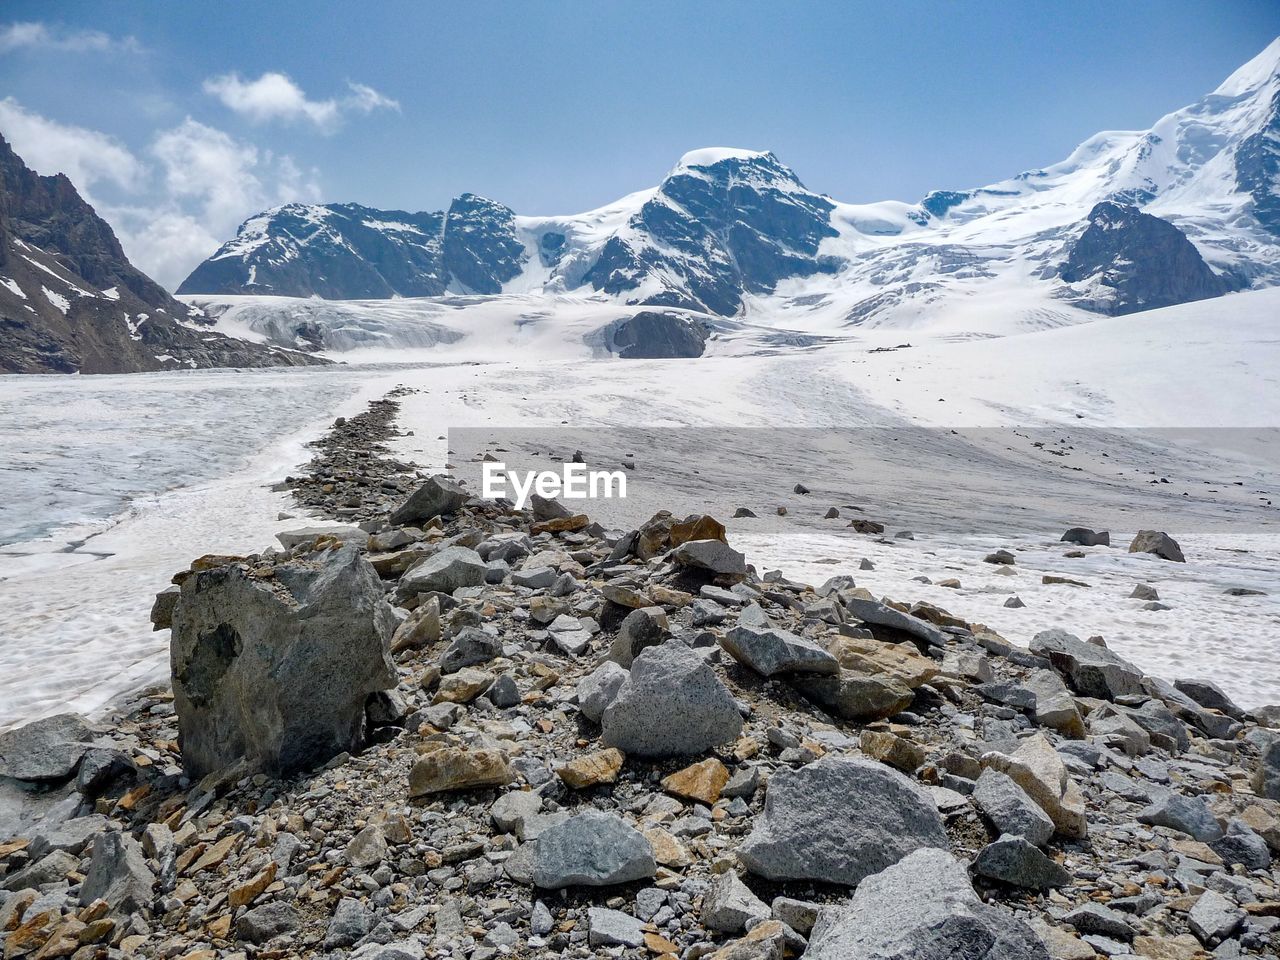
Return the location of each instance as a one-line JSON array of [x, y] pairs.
[[71, 302], [1185, 210]]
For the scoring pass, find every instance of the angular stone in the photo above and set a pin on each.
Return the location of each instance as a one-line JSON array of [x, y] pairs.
[[1214, 918], [883, 615], [268, 921], [701, 781], [730, 905], [1016, 861], [463, 686], [857, 697], [278, 672], [292, 538], [593, 849], [1036, 767], [457, 767], [771, 651], [641, 628], [1084, 537], [715, 556], [1189, 815], [872, 658], [1159, 544], [118, 874], [445, 571], [1010, 809], [672, 704], [592, 769], [470, 647], [368, 848], [1266, 778], [440, 496], [1210, 696], [599, 688], [613, 928], [922, 907], [44, 750], [1092, 670], [1094, 918], [351, 922], [892, 749], [839, 819]]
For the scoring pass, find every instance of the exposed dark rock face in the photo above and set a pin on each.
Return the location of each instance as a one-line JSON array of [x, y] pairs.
[[71, 302], [350, 252], [718, 231], [1138, 262], [652, 334], [1258, 170]]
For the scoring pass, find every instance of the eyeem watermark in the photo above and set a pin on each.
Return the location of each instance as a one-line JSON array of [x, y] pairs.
[[573, 482]]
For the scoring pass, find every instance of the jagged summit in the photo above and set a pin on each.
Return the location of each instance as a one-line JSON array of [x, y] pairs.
[[735, 232]]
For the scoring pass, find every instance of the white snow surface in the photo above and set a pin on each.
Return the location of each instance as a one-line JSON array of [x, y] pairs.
[[120, 481]]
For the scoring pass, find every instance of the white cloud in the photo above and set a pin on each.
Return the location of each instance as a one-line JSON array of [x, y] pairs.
[[40, 36], [274, 96], [88, 157], [175, 204]]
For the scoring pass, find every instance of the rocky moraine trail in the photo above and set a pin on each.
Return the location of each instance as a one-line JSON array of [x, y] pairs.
[[430, 725]]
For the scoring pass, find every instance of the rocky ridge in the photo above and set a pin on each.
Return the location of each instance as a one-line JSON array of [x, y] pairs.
[[608, 743]]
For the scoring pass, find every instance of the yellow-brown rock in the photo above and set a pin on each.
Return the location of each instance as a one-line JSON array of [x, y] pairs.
[[701, 781]]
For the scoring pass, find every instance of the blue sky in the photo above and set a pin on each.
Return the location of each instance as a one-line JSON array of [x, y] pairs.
[[180, 119]]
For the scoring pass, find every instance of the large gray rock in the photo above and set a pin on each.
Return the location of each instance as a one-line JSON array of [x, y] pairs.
[[839, 819], [883, 615], [1158, 544], [599, 688], [641, 628], [855, 696], [730, 904], [1092, 670], [1179, 812], [1214, 918], [613, 928], [1084, 537], [291, 538], [273, 919], [278, 671], [118, 873], [672, 704], [715, 556], [1266, 779], [1209, 695], [439, 496], [1010, 809], [470, 647], [768, 651], [923, 908], [1016, 861], [44, 750], [593, 849], [445, 571]]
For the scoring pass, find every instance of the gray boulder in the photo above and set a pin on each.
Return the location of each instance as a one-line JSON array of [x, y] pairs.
[[672, 704], [1084, 537], [1177, 811], [1010, 809], [715, 556], [439, 496], [641, 628], [268, 921], [883, 615], [613, 928], [1092, 670], [1266, 779], [1158, 544], [292, 538], [593, 849], [729, 905], [44, 750], [769, 651], [855, 696], [470, 647], [1214, 918], [599, 688], [839, 819], [118, 873], [278, 672], [351, 921], [923, 908], [1209, 695], [1015, 861], [445, 571]]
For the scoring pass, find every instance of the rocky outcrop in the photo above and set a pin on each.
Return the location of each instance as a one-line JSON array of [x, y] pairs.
[[276, 671], [656, 335], [1127, 260], [71, 302]]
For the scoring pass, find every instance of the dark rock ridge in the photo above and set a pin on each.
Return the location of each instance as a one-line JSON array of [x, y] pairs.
[[71, 302], [653, 334], [345, 251], [1258, 169], [1138, 262]]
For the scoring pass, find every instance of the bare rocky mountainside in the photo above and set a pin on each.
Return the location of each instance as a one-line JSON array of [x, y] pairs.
[[439, 727], [71, 302]]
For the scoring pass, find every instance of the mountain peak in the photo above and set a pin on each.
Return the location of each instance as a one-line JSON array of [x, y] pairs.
[[1253, 75]]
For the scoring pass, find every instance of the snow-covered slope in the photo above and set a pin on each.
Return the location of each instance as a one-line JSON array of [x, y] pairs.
[[735, 233]]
